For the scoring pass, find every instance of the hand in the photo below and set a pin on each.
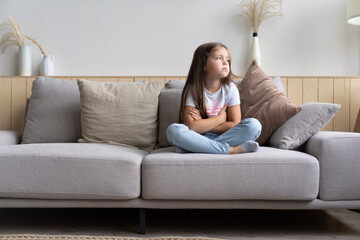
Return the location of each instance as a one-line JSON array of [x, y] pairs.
[[222, 114], [195, 113]]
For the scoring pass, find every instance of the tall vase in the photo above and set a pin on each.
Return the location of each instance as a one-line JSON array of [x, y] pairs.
[[24, 60], [255, 49], [47, 66]]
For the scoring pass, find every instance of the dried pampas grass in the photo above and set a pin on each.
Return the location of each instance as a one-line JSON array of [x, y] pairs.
[[13, 35], [36, 43], [256, 11]]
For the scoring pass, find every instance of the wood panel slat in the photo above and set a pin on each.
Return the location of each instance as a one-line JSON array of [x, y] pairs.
[[310, 90], [354, 101], [341, 96], [295, 92], [326, 94], [18, 101], [285, 83], [5, 103]]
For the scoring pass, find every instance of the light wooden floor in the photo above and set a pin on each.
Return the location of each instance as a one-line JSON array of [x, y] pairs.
[[224, 224]]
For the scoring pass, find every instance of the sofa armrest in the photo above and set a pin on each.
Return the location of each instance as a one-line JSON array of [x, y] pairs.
[[339, 158], [10, 137]]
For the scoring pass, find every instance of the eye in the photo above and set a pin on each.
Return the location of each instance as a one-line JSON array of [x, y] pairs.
[[218, 58]]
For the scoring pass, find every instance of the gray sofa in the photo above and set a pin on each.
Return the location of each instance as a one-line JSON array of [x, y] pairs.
[[324, 174]]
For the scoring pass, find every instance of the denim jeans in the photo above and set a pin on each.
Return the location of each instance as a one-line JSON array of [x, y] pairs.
[[179, 135]]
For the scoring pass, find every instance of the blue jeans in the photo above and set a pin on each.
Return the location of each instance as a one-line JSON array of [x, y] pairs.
[[180, 135]]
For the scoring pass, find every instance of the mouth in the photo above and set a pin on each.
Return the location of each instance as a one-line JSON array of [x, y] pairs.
[[225, 69]]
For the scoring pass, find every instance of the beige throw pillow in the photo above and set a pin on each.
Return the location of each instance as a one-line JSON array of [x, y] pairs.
[[261, 99], [123, 114]]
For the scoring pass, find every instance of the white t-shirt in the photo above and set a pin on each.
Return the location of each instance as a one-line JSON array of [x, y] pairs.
[[215, 101]]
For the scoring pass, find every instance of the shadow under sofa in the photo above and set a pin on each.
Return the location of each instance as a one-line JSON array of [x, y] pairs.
[[325, 175]]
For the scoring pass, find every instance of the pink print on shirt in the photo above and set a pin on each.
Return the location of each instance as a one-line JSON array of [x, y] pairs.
[[213, 109]]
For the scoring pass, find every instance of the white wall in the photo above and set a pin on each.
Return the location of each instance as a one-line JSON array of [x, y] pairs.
[[158, 37]]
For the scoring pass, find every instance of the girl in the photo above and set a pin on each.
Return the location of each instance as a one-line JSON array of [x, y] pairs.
[[210, 115]]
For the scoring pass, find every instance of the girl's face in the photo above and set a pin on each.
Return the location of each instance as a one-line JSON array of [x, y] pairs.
[[217, 64]]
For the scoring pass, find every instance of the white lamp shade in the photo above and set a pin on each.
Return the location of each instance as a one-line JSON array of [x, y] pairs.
[[353, 12]]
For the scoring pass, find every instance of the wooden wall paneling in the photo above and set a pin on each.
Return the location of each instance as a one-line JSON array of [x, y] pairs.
[[18, 100], [326, 95], [341, 90], [310, 90], [341, 96], [285, 83], [295, 92], [5, 103], [354, 101], [326, 90]]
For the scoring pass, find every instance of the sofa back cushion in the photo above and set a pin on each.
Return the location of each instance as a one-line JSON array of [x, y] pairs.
[[123, 114], [175, 84], [53, 113], [169, 107]]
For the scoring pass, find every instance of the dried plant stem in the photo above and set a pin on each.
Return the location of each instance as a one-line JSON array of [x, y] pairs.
[[256, 11], [37, 44], [13, 36], [16, 31]]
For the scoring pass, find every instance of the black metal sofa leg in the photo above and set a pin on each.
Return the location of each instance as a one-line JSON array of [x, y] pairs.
[[142, 221]]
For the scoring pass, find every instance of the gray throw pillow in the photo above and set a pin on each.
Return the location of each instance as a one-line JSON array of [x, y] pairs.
[[169, 107], [53, 113], [304, 124]]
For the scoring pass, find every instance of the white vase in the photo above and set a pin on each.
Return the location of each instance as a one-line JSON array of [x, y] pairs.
[[24, 60], [47, 66], [255, 49]]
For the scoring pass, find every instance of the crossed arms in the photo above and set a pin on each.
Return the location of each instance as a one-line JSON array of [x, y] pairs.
[[218, 124]]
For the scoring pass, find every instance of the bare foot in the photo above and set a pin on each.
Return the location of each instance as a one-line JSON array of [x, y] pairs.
[[236, 150]]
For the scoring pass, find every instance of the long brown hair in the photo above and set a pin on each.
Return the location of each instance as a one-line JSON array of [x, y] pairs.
[[195, 81]]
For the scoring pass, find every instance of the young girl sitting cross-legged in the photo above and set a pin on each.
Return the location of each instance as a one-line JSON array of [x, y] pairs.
[[210, 115]]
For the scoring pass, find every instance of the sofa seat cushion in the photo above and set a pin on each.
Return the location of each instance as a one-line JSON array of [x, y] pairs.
[[70, 171], [269, 174]]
